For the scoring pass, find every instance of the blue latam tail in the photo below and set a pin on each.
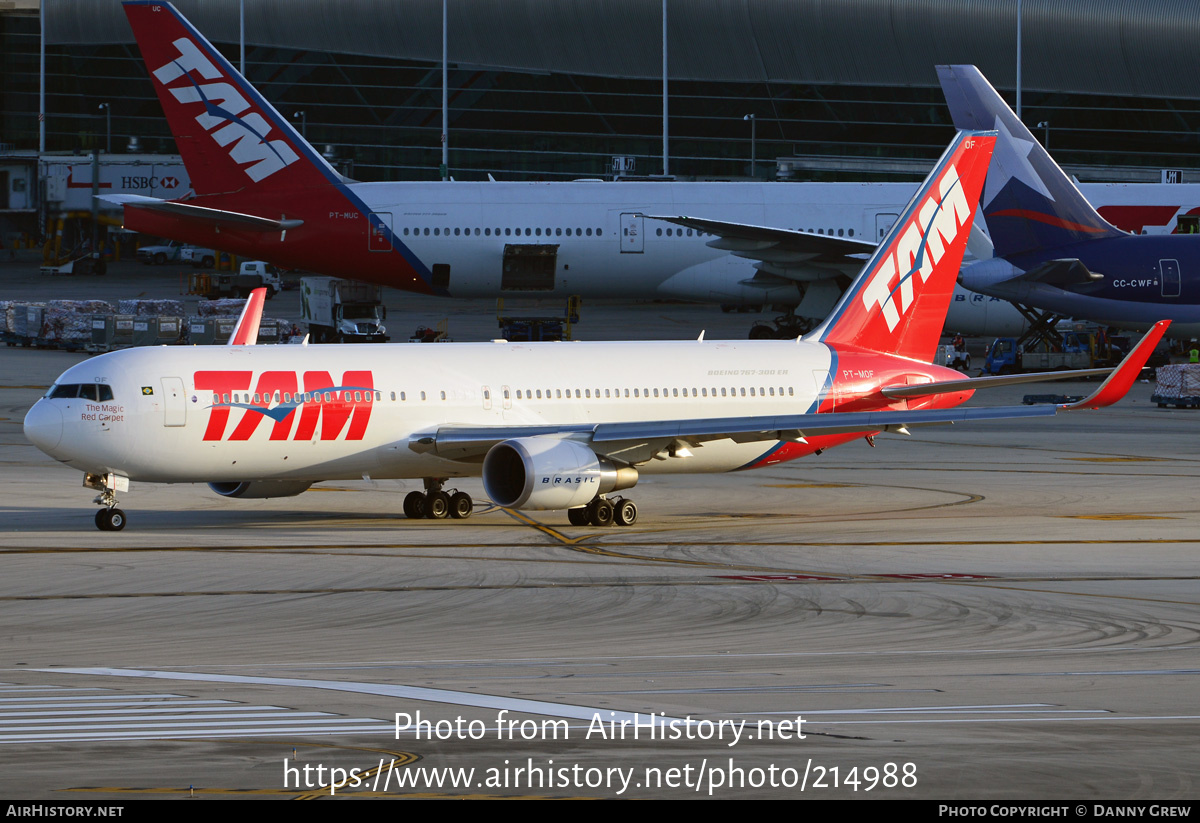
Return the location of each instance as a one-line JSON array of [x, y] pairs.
[[1028, 202]]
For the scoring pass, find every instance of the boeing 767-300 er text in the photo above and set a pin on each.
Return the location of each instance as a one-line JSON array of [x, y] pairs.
[[547, 425], [261, 191]]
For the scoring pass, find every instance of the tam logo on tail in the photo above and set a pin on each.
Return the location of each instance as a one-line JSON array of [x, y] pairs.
[[919, 249], [898, 303], [224, 107]]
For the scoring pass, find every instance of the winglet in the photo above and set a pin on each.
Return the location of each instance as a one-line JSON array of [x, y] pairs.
[[246, 333], [1118, 383]]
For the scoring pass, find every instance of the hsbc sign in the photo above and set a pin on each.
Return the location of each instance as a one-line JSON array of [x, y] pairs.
[[133, 182]]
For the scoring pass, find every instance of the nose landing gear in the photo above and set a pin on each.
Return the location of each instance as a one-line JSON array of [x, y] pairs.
[[110, 518]]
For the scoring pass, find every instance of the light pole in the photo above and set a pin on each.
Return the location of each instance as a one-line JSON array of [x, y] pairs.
[[107, 109], [1045, 124], [303, 117], [753, 145]]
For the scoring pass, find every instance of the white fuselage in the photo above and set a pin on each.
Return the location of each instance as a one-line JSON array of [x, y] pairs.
[[159, 425], [605, 249]]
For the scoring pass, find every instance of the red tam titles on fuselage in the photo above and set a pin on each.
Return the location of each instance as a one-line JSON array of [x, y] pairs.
[[277, 396]]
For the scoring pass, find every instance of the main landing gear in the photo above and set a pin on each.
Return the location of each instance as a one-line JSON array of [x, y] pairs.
[[436, 504], [109, 518], [602, 512]]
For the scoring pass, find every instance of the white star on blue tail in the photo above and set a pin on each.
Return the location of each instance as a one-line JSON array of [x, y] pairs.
[[1011, 159]]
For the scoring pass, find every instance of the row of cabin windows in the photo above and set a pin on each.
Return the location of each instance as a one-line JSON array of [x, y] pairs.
[[305, 397], [679, 232], [509, 232], [698, 233], [522, 394], [576, 232], [589, 394], [733, 391]]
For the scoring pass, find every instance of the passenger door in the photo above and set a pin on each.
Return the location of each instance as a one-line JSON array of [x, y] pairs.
[[631, 233]]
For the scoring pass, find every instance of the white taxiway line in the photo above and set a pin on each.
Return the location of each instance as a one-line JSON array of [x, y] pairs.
[[483, 701]]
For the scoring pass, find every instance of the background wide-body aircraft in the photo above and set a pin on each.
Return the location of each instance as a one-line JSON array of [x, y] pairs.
[[548, 426], [1053, 251], [262, 191]]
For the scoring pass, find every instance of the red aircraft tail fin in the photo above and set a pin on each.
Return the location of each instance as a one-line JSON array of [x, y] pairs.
[[898, 303], [230, 137]]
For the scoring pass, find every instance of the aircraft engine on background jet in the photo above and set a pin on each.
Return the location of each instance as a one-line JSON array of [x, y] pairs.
[[547, 473], [261, 489]]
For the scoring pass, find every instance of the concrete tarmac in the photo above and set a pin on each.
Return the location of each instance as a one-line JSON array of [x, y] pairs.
[[1006, 611]]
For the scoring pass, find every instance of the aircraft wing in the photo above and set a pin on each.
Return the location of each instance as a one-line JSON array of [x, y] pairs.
[[1123, 375], [217, 218], [786, 253], [639, 441]]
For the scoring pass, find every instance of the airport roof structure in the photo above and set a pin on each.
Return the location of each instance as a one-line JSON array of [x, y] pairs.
[[553, 89], [1122, 47]]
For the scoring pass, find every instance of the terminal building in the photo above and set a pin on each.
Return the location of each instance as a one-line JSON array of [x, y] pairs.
[[567, 89]]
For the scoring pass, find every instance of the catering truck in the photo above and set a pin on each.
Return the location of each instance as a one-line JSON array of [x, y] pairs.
[[342, 311]]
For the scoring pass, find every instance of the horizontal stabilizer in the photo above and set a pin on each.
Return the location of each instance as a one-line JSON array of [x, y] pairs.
[[973, 383], [1062, 273], [216, 218], [1110, 391]]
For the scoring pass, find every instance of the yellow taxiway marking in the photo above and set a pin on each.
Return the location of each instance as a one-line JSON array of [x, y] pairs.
[[394, 760], [810, 485], [1117, 516], [1115, 459], [544, 529]]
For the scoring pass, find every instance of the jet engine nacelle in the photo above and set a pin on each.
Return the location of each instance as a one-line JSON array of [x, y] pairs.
[[985, 274], [545, 473], [261, 488]]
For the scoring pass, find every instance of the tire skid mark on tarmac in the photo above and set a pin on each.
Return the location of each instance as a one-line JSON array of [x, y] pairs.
[[368, 590], [831, 579], [992, 470], [998, 584], [396, 759], [1045, 449], [577, 544], [373, 549]]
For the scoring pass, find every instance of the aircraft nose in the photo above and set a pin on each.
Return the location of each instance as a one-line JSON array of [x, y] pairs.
[[44, 425]]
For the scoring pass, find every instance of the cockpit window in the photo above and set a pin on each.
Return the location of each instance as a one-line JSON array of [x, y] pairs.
[[98, 392]]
